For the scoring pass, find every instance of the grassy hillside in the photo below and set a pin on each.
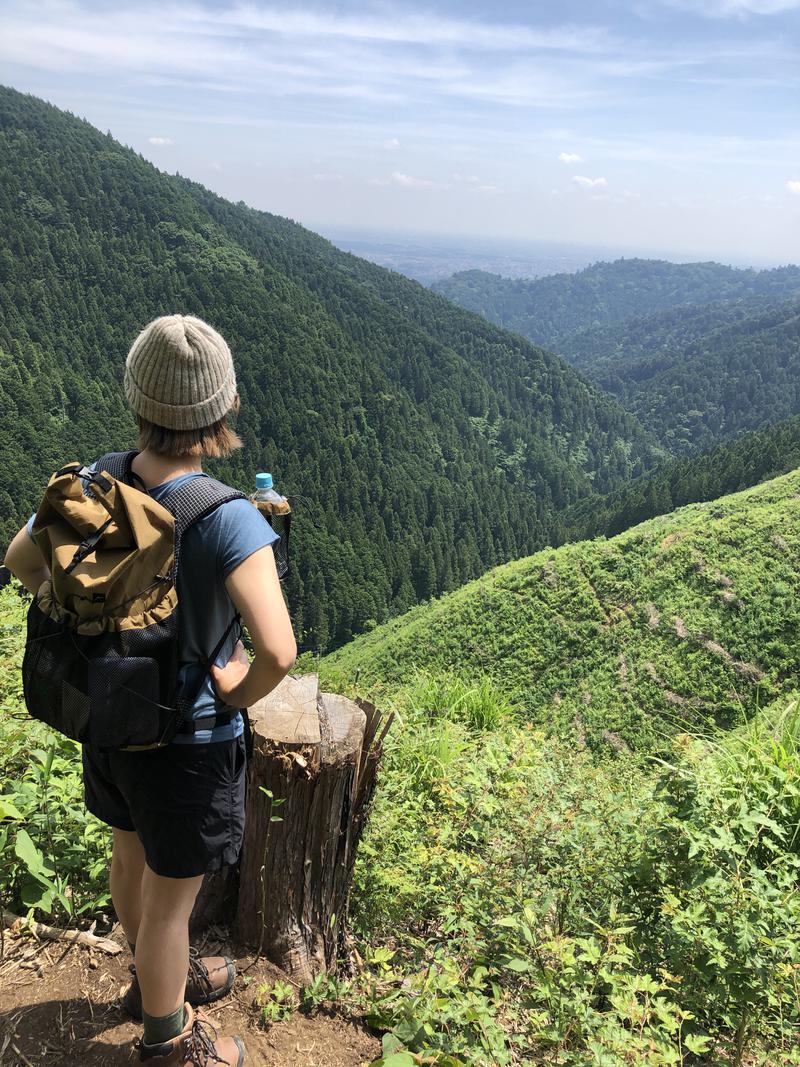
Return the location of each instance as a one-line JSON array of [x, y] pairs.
[[688, 620], [396, 422], [626, 891]]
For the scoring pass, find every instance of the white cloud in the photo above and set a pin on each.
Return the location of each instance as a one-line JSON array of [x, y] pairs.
[[793, 187], [160, 140], [408, 181], [529, 84], [328, 176], [382, 56], [473, 184], [570, 157], [391, 143], [589, 183], [377, 56], [735, 8], [414, 28]]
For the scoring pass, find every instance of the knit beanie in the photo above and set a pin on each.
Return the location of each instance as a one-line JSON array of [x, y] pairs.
[[179, 374]]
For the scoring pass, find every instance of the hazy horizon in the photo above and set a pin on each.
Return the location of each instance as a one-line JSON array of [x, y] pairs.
[[668, 126], [593, 253]]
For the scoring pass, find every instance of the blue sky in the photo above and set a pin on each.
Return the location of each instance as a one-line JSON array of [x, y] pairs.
[[669, 125]]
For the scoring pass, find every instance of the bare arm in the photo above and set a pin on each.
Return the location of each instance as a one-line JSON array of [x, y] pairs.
[[255, 590], [25, 561]]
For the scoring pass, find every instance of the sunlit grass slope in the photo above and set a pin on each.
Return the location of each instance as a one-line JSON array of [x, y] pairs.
[[686, 621]]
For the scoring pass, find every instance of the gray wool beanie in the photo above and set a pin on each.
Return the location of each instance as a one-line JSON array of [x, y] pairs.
[[179, 374]]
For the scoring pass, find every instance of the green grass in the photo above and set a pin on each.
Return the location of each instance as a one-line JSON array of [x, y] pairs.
[[688, 621], [584, 846]]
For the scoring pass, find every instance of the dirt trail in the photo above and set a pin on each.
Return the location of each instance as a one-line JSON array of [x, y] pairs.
[[59, 1008]]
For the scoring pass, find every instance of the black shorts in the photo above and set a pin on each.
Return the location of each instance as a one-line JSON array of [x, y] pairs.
[[186, 802]]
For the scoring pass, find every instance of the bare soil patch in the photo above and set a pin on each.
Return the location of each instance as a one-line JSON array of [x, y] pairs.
[[59, 1007]]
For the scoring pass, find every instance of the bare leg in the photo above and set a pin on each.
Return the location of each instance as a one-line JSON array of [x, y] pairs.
[[125, 880], [162, 945]]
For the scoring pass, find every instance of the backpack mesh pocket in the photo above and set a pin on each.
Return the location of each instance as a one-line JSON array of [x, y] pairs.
[[112, 690], [124, 701], [75, 710]]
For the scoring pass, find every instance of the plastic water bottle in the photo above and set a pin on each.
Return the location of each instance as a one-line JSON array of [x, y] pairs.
[[276, 510]]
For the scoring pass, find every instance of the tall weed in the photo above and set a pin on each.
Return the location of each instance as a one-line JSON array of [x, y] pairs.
[[53, 855], [540, 906]]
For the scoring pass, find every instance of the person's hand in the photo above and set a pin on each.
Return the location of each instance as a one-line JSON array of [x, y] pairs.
[[228, 678]]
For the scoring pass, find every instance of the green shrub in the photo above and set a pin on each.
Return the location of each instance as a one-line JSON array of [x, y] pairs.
[[716, 893], [54, 856], [536, 904]]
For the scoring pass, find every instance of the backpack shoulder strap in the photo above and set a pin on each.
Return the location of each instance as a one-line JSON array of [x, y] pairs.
[[189, 503], [118, 465], [193, 500]]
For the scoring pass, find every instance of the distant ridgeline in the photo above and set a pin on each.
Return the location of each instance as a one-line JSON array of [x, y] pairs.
[[697, 351], [419, 444], [688, 621]]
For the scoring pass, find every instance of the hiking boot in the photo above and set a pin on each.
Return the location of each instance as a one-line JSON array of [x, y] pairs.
[[197, 1044], [209, 979]]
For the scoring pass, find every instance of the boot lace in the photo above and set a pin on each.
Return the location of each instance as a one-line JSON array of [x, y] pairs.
[[199, 1047], [199, 971]]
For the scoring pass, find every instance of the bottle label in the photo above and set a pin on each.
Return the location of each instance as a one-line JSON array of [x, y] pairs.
[[273, 507]]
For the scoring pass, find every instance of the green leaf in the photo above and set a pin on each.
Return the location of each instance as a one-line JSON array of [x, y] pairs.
[[517, 965], [697, 1043], [408, 1030], [35, 895], [399, 1059], [390, 1043], [9, 810], [27, 852]]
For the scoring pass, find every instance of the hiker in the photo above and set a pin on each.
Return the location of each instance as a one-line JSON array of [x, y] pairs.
[[177, 811]]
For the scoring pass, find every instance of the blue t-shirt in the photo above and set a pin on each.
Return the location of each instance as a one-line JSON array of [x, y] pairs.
[[211, 550]]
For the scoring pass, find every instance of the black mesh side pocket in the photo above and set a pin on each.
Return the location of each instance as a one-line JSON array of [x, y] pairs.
[[75, 707], [124, 694], [53, 681]]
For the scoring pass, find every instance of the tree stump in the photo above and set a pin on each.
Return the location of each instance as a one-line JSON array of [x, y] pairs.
[[310, 781]]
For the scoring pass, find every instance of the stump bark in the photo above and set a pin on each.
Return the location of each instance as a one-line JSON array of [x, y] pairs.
[[310, 782]]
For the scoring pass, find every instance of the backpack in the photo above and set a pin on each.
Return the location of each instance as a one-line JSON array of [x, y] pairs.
[[101, 657]]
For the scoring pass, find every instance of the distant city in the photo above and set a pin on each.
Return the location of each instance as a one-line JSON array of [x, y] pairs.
[[427, 258]]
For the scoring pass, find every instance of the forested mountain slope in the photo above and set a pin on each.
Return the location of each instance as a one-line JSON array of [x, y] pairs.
[[686, 621], [549, 310], [602, 349], [693, 374], [419, 444], [727, 468]]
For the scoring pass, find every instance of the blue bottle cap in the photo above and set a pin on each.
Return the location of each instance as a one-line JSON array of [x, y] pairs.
[[263, 481]]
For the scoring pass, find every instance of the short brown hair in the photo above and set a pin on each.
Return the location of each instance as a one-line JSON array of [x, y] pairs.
[[215, 440]]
